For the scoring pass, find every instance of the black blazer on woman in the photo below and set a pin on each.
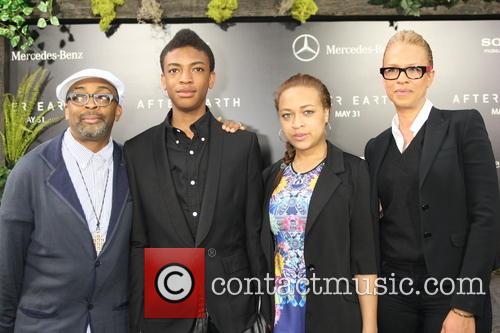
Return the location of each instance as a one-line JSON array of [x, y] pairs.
[[458, 193], [339, 240]]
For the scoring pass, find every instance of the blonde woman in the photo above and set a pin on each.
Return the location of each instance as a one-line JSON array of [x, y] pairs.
[[433, 175]]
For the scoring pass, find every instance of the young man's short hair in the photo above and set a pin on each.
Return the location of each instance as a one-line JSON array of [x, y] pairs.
[[187, 37]]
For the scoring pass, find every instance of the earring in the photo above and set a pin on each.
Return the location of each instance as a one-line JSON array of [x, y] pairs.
[[328, 128], [279, 136]]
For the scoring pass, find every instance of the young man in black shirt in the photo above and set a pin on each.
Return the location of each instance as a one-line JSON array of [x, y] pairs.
[[195, 185]]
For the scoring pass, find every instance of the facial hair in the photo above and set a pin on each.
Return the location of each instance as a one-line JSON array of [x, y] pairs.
[[95, 131]]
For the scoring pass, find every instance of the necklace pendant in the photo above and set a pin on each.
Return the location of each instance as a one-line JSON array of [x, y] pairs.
[[98, 241]]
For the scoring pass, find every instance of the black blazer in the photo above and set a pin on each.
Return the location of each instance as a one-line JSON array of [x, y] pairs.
[[339, 240], [458, 198], [229, 222]]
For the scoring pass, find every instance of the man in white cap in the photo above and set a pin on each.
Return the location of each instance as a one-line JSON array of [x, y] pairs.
[[65, 221]]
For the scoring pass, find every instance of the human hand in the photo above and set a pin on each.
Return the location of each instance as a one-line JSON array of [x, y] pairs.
[[455, 323], [231, 126]]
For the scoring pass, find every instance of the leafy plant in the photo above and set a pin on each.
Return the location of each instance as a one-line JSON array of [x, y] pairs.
[[13, 20], [301, 10], [22, 123], [412, 7], [221, 10], [4, 173], [107, 10], [150, 11]]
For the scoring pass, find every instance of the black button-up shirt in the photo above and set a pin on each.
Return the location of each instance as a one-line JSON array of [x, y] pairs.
[[188, 160]]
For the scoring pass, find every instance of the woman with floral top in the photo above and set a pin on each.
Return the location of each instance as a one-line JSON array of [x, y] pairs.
[[317, 233]]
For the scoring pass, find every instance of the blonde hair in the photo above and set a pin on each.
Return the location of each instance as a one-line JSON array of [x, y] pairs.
[[412, 38]]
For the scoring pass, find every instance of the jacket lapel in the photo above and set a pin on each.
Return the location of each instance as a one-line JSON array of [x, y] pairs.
[[435, 133], [120, 191], [59, 180], [379, 149], [266, 235], [326, 185], [215, 149], [171, 206]]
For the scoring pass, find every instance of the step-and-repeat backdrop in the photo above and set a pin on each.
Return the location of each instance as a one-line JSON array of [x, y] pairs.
[[252, 59]]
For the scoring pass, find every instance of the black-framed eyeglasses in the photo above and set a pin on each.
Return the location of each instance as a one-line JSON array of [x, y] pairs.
[[412, 72], [82, 99]]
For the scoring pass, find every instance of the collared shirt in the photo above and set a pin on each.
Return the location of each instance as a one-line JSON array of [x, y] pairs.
[[417, 124], [188, 160], [94, 167]]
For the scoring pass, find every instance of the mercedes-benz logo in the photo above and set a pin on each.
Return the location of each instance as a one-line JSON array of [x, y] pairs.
[[305, 47]]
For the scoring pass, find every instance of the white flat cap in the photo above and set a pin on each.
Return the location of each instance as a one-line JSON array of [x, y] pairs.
[[63, 87]]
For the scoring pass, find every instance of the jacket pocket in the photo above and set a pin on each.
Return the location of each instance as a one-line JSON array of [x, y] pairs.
[[37, 314], [121, 307], [447, 152], [458, 239]]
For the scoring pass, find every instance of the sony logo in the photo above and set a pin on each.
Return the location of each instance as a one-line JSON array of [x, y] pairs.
[[487, 42]]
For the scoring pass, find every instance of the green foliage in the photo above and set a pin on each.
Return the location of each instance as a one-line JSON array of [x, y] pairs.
[[303, 9], [221, 10], [13, 17], [18, 133], [107, 10], [412, 7], [4, 173]]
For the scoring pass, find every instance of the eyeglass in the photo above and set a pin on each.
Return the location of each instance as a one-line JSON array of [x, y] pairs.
[[99, 99], [412, 72]]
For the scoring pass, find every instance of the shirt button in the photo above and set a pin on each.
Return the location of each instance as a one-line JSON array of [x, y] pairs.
[[97, 263], [202, 139], [178, 130], [192, 182], [191, 152], [195, 214], [176, 141], [425, 207]]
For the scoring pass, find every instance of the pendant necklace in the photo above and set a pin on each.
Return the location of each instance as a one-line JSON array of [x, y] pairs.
[[97, 236]]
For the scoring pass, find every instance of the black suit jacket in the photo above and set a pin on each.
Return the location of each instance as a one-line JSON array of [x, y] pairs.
[[339, 240], [229, 221], [458, 197]]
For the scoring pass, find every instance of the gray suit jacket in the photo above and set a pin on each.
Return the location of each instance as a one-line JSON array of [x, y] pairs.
[[51, 279]]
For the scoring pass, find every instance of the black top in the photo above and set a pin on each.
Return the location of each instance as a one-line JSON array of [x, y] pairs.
[[188, 166], [400, 236]]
